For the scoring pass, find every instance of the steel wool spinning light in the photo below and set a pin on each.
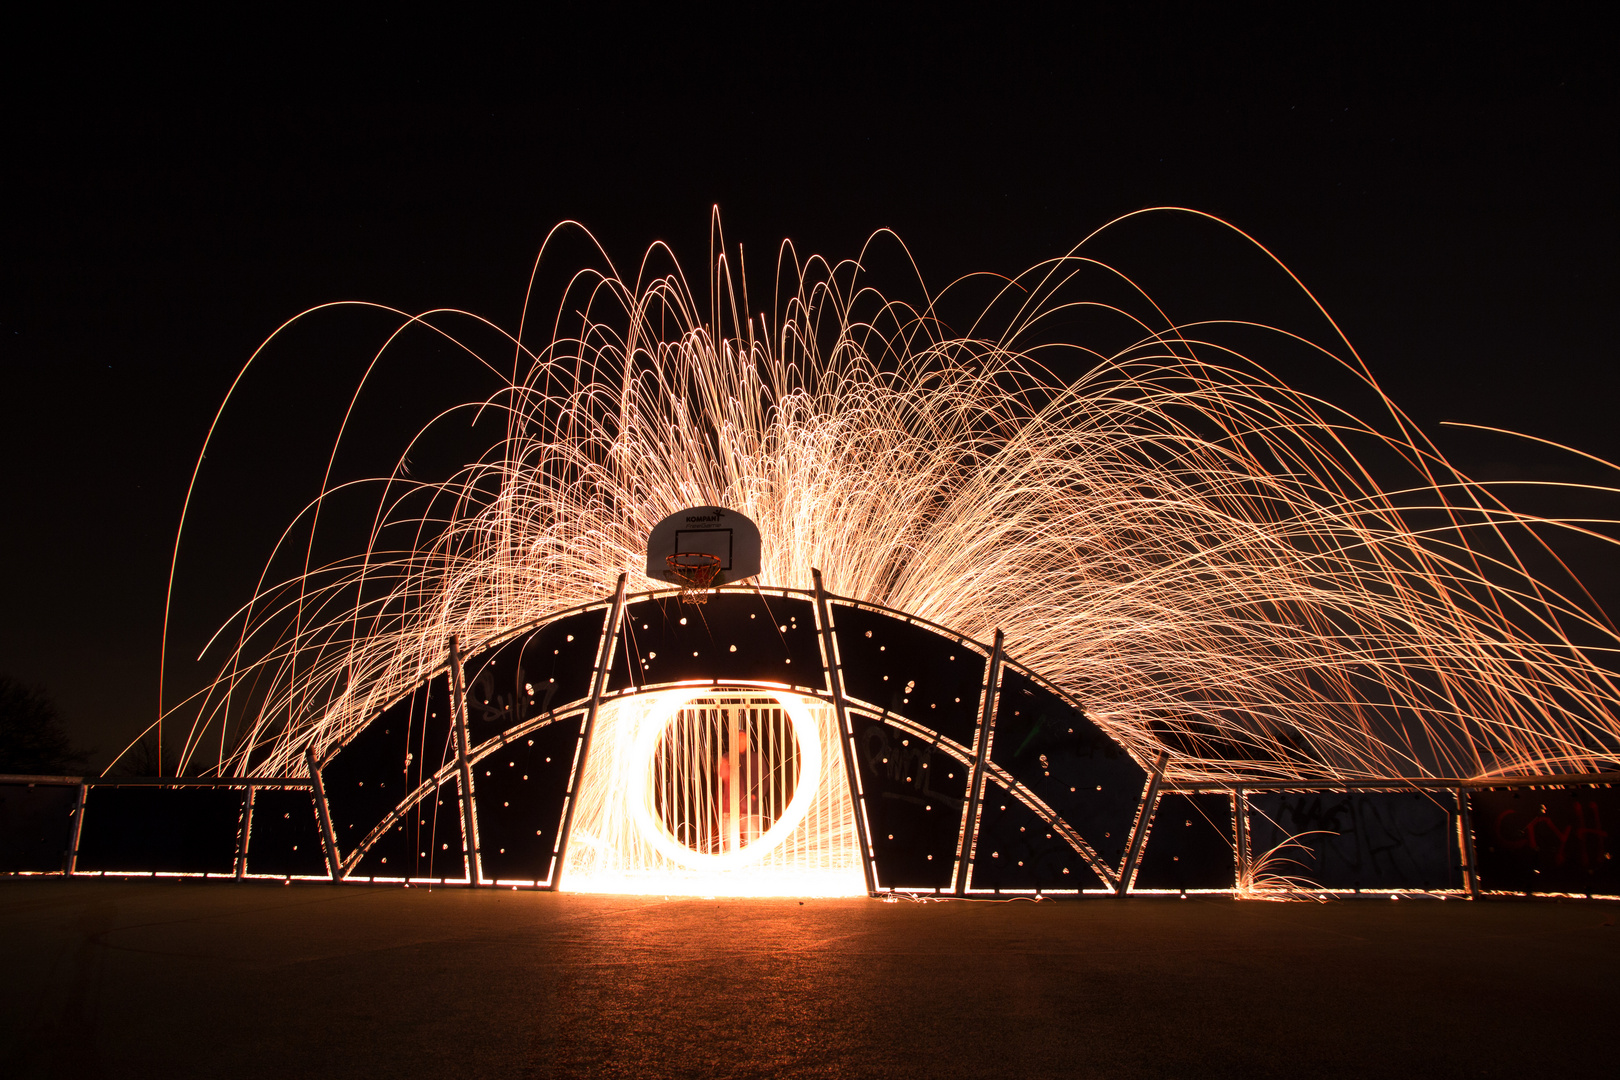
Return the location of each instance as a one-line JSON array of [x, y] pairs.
[[1220, 567]]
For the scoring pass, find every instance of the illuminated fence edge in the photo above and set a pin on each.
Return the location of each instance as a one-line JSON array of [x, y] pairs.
[[890, 782]]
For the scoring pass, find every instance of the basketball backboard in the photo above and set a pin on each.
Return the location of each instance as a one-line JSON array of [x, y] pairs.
[[705, 530]]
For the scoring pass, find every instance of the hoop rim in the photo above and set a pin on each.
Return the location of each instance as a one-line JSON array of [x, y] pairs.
[[708, 560], [694, 575]]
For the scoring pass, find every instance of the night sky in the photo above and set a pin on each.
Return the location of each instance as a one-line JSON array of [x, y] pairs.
[[174, 192]]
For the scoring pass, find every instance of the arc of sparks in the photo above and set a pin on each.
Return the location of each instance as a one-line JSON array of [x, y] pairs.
[[1216, 563]]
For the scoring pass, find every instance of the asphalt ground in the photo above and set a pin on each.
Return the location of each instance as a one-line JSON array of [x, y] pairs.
[[106, 978]]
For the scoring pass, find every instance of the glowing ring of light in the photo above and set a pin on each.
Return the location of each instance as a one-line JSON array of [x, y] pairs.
[[652, 828]]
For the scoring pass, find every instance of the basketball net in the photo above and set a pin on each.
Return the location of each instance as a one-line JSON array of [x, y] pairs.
[[696, 572]]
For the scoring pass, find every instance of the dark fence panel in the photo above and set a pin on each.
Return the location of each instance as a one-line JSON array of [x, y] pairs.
[[1554, 839], [285, 838], [1191, 845], [167, 830], [914, 795], [36, 827], [545, 669], [743, 636], [521, 789], [391, 756], [910, 670], [1070, 763], [1017, 850], [425, 842], [1359, 839]]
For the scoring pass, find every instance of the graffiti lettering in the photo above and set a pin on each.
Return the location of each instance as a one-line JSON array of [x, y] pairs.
[[1590, 840], [906, 765], [486, 703]]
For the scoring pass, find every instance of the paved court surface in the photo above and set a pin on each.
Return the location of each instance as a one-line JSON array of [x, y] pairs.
[[192, 979]]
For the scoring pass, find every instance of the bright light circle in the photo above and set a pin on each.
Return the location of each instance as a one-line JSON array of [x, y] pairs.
[[651, 827]]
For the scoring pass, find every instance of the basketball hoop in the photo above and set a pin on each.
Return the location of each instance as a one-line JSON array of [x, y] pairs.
[[712, 546], [694, 570]]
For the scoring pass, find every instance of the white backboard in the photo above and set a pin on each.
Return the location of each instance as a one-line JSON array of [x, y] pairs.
[[705, 530]]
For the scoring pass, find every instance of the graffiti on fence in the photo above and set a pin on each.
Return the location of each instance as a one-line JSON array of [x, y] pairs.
[[1546, 839]]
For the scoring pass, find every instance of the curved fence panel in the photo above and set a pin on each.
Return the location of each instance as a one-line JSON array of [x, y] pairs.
[[1069, 763], [390, 758], [910, 670], [522, 791], [913, 795], [1016, 850], [547, 669], [422, 844]]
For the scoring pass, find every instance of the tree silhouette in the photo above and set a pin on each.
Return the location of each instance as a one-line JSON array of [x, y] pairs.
[[142, 759], [33, 741]]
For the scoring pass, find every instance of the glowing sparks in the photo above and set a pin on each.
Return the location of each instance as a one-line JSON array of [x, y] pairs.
[[1195, 550], [667, 806]]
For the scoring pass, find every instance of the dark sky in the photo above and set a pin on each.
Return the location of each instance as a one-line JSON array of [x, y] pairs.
[[173, 192]]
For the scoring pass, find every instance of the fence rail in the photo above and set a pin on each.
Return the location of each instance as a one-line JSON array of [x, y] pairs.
[[156, 781]]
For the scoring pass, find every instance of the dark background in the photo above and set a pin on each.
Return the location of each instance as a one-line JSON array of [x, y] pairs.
[[173, 192]]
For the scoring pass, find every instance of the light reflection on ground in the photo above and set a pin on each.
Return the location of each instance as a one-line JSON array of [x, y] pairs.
[[105, 978]]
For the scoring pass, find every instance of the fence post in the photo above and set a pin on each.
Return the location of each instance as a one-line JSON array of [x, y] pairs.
[[846, 731], [245, 836], [334, 865], [1465, 829], [1240, 823], [981, 750], [469, 817], [71, 865], [604, 663], [1144, 820]]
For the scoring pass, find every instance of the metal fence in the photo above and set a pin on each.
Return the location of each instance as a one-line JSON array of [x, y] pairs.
[[1545, 836], [969, 774]]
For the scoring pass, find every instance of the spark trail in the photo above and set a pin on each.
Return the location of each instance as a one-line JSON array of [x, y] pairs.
[[1209, 559]]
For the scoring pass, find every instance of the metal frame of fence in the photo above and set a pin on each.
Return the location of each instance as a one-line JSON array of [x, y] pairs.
[[1120, 880]]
